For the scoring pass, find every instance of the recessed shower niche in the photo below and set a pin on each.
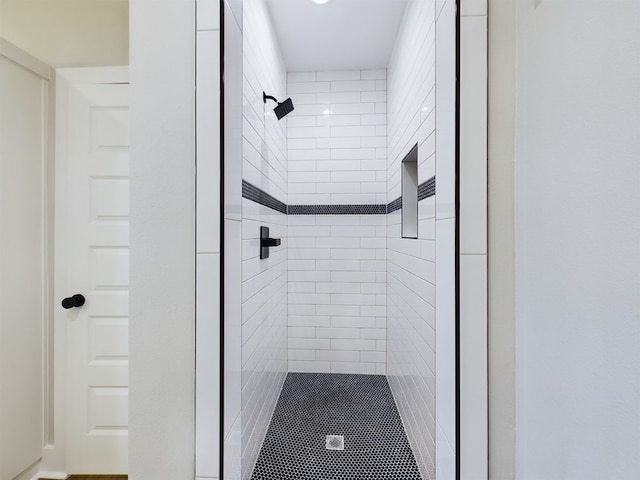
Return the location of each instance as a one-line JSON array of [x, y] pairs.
[[334, 334], [410, 194]]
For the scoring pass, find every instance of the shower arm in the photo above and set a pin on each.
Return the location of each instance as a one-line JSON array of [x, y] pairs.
[[266, 97]]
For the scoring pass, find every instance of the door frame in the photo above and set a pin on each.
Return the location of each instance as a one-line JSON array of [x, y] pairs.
[[24, 60]]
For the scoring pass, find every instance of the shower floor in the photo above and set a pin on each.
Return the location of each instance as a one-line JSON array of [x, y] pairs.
[[358, 407]]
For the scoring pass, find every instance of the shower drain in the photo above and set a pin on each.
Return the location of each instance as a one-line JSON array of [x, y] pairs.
[[335, 442]]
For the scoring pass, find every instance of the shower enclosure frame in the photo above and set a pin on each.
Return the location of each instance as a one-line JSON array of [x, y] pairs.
[[459, 455]]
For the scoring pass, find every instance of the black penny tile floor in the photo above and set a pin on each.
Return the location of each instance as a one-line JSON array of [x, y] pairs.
[[360, 408]]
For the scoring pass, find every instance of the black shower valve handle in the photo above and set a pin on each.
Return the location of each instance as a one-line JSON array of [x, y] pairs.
[[270, 242], [266, 242]]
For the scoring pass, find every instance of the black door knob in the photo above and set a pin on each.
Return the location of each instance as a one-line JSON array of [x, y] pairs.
[[76, 301]]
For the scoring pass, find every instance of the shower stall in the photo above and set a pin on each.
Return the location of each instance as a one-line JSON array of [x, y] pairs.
[[339, 328]]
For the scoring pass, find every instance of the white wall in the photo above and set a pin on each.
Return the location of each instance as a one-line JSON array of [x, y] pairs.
[[264, 282], [162, 282], [24, 302], [501, 257], [411, 262], [577, 238], [69, 33], [337, 270]]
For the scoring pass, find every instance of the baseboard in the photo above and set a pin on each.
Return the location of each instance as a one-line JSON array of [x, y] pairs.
[[91, 477], [29, 472], [98, 477], [49, 475]]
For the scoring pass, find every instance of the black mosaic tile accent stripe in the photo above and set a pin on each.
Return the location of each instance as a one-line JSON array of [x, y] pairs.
[[395, 205], [337, 209], [255, 194], [359, 407], [427, 189], [251, 192]]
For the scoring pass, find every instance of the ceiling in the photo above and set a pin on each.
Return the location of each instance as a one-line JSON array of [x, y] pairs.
[[68, 33], [338, 35]]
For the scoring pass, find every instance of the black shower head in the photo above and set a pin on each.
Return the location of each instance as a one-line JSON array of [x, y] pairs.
[[282, 109]]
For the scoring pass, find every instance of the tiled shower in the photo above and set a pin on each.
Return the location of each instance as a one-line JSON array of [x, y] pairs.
[[344, 293]]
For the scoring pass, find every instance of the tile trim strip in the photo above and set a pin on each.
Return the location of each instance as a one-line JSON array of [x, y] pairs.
[[251, 192]]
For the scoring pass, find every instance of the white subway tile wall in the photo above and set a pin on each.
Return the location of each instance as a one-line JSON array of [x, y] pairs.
[[337, 263], [411, 262], [264, 328], [264, 282], [337, 137], [337, 293]]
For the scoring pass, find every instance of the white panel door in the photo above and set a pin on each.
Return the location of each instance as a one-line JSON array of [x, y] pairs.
[[93, 188]]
